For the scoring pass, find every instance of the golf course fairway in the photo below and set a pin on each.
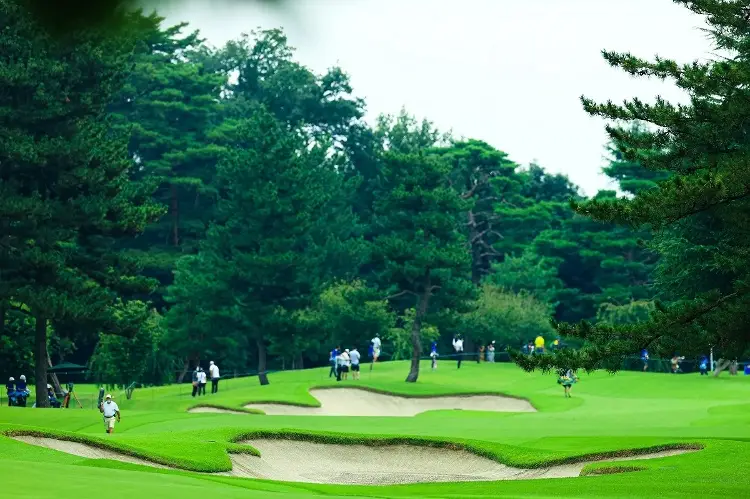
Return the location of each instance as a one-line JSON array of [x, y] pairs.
[[626, 435]]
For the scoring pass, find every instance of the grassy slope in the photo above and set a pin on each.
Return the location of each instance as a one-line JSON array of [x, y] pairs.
[[608, 413]]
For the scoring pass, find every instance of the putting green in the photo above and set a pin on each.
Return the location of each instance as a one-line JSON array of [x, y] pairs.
[[608, 415]]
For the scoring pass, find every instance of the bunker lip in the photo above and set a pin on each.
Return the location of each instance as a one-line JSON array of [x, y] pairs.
[[382, 463], [351, 401], [217, 409]]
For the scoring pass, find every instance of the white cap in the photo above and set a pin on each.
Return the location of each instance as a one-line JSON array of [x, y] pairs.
[[211, 363], [49, 386], [346, 349], [108, 396], [23, 378], [11, 379]]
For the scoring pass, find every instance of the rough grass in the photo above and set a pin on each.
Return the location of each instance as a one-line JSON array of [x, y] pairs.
[[609, 416]]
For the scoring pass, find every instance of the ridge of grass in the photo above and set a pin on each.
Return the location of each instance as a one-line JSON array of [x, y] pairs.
[[508, 455], [226, 408]]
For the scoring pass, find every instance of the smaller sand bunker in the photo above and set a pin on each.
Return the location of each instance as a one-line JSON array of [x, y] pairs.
[[83, 450], [215, 410], [295, 461], [354, 402]]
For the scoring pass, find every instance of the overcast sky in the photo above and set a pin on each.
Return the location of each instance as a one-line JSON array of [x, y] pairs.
[[505, 71]]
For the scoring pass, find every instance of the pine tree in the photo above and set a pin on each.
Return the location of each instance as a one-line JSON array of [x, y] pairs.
[[419, 250], [64, 192], [169, 107], [700, 215], [266, 254]]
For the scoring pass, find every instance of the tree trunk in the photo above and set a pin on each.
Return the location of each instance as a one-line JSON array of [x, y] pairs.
[[416, 333], [721, 365], [300, 362], [40, 360], [3, 309], [185, 369], [262, 375]]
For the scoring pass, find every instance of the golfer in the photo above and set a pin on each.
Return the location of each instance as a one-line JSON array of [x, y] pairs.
[[491, 352], [110, 411], [213, 371], [434, 354]]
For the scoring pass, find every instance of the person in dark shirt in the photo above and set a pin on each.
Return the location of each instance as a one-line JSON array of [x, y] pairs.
[[10, 387], [21, 385]]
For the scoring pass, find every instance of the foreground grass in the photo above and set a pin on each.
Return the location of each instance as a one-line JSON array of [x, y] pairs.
[[606, 415]]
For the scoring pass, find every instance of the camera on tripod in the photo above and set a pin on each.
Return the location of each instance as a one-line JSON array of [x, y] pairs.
[[70, 387]]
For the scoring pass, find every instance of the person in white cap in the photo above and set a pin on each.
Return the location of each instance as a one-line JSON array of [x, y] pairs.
[[213, 370], [110, 411]]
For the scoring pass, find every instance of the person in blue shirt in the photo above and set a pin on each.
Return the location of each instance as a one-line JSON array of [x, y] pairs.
[[332, 360], [22, 391], [703, 365], [644, 358], [434, 354]]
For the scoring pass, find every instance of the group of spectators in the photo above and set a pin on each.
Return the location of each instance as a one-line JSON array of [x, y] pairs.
[[18, 392], [200, 380]]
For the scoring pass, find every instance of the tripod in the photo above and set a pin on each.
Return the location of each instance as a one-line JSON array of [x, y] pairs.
[[66, 400]]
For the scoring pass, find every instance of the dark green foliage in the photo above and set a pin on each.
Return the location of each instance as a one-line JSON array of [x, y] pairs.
[[419, 251], [64, 191], [700, 214]]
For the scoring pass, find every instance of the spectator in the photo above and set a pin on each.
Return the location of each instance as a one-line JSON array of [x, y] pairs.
[[201, 381], [491, 352], [376, 344], [10, 388], [196, 379], [354, 358], [703, 365], [213, 371], [539, 344], [332, 360], [644, 358], [434, 354], [458, 346]]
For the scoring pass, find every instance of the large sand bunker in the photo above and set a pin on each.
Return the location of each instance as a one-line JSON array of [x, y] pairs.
[[354, 402], [297, 461]]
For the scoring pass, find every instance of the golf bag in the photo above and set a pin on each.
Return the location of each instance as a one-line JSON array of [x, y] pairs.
[[100, 401]]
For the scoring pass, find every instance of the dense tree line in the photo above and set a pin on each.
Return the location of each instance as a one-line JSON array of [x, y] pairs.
[[164, 202]]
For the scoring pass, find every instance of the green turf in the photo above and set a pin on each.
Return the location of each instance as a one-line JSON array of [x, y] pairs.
[[607, 414]]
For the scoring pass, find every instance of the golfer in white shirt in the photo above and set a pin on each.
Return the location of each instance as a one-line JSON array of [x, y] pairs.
[[375, 348], [110, 411], [213, 371], [458, 346]]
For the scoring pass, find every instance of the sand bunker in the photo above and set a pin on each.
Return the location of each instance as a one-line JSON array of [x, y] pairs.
[[83, 450], [215, 410], [354, 402], [296, 461]]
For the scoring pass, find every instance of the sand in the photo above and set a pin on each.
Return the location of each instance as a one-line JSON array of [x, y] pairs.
[[354, 402], [295, 461], [83, 450], [215, 410]]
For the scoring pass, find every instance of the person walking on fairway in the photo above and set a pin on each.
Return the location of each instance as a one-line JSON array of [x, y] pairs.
[[213, 371], [333, 360], [110, 411], [567, 379], [354, 359], [644, 358], [491, 352], [434, 354], [201, 382], [340, 362], [196, 380], [376, 348], [458, 346], [703, 365]]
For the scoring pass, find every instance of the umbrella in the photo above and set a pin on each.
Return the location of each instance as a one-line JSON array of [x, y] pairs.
[[66, 367]]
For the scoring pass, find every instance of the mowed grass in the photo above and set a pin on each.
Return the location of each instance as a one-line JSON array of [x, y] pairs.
[[608, 413]]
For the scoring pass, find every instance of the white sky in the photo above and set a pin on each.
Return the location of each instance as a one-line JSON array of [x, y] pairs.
[[508, 72]]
